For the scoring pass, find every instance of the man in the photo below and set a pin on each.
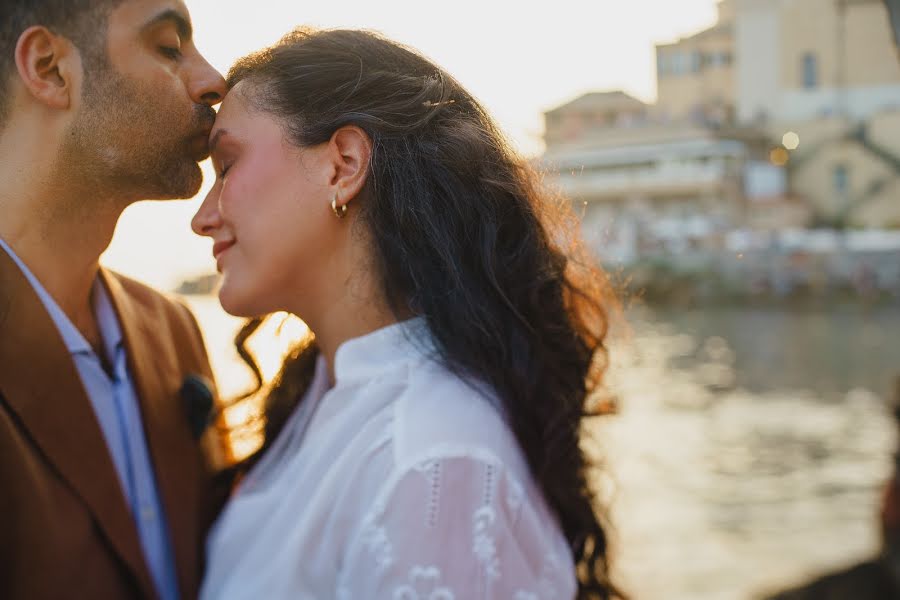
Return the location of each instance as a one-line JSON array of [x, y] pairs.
[[104, 490]]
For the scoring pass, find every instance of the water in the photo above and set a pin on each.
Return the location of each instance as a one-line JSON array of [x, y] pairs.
[[750, 448]]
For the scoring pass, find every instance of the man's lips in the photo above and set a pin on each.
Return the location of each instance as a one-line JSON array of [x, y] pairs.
[[200, 146], [220, 247]]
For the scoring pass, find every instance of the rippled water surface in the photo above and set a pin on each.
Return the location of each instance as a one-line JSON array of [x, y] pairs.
[[751, 446]]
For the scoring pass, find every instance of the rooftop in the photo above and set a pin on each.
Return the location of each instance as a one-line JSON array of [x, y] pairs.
[[615, 100]]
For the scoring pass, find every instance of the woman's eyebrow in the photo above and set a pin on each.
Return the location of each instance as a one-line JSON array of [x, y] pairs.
[[215, 139]]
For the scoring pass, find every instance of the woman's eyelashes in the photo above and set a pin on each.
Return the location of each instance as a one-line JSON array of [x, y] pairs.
[[221, 167]]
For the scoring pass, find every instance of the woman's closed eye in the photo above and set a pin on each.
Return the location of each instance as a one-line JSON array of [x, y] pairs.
[[220, 167]]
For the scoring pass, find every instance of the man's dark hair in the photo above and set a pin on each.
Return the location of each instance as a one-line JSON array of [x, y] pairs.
[[81, 21]]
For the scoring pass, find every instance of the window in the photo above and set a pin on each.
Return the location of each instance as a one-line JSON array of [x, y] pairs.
[[662, 64], [682, 63], [696, 63], [719, 59], [841, 180], [810, 71], [671, 63]]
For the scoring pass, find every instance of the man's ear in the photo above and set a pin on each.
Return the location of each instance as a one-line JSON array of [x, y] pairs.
[[350, 149], [49, 66]]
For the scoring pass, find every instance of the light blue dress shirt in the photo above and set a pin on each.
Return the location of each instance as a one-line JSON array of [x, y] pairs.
[[118, 412]]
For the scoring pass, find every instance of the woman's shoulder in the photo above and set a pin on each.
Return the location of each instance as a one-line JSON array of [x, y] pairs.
[[441, 414], [457, 509]]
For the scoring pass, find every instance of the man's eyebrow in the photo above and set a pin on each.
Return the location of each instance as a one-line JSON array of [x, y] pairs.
[[185, 29]]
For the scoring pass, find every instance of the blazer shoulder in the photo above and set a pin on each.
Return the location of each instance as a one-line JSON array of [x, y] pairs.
[[158, 303], [170, 318]]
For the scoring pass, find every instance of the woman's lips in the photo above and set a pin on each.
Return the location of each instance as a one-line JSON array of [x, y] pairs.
[[220, 247]]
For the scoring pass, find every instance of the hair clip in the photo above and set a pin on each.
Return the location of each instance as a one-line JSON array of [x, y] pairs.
[[431, 104]]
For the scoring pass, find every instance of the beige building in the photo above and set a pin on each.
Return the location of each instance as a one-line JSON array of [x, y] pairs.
[[827, 71], [644, 183], [782, 60], [590, 114], [805, 59], [695, 75], [849, 172]]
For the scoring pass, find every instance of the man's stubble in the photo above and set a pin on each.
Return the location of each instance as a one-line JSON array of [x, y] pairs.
[[131, 143]]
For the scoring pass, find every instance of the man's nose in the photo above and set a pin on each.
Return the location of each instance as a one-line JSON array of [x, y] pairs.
[[207, 86]]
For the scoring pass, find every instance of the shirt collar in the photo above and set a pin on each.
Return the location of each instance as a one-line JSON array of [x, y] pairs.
[[107, 320], [72, 338], [369, 355]]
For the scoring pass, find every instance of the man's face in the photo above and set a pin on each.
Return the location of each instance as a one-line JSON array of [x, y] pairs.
[[146, 106]]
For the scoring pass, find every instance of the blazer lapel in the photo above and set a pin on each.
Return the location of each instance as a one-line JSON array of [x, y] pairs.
[[155, 372], [41, 385]]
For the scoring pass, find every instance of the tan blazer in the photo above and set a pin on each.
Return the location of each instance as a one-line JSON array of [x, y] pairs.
[[65, 528]]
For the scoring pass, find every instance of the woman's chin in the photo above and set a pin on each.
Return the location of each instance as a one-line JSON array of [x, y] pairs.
[[235, 303]]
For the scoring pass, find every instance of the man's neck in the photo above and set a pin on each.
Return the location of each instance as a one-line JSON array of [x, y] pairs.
[[64, 257], [55, 221], [58, 242]]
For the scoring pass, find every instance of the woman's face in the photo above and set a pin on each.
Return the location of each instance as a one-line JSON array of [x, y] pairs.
[[269, 212]]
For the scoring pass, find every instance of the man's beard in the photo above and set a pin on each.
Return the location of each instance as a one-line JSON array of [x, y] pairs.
[[130, 142]]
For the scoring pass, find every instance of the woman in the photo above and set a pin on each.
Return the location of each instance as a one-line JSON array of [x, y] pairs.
[[425, 443]]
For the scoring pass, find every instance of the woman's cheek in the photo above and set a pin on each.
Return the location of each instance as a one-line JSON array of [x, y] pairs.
[[235, 193]]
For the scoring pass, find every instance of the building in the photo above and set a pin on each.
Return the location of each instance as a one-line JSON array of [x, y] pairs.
[[695, 76], [785, 113], [642, 183], [783, 60], [848, 171], [801, 60], [827, 73], [592, 114]]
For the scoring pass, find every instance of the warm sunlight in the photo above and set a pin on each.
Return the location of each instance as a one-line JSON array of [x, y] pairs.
[[519, 59]]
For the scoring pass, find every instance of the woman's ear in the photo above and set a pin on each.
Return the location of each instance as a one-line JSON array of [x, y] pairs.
[[351, 152], [48, 65]]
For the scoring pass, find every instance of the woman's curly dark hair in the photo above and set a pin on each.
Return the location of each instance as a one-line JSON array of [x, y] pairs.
[[464, 235]]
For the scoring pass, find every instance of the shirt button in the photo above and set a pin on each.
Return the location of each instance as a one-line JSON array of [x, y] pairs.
[[147, 513]]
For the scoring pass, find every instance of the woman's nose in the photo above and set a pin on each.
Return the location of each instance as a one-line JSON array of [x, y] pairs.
[[208, 220]]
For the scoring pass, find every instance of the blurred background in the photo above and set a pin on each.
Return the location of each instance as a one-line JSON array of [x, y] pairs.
[[736, 165]]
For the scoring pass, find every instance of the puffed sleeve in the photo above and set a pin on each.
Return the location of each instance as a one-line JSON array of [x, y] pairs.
[[457, 528]]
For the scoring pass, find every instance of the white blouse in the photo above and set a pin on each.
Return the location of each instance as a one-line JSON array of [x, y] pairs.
[[401, 482]]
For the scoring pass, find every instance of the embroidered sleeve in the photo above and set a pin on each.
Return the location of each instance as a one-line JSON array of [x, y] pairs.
[[457, 528]]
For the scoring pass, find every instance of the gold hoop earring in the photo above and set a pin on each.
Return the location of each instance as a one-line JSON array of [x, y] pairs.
[[339, 211]]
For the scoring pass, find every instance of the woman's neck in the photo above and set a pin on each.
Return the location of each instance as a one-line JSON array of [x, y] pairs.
[[350, 307]]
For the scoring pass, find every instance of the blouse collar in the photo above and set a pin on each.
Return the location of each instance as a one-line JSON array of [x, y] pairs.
[[369, 355]]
